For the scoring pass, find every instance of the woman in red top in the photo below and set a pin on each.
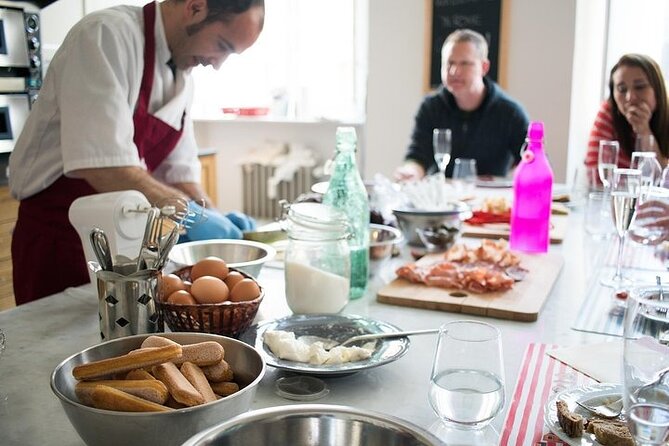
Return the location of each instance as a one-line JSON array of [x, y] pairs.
[[637, 106]]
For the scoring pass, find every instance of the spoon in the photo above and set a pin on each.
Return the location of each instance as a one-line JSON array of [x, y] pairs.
[[611, 409], [330, 343]]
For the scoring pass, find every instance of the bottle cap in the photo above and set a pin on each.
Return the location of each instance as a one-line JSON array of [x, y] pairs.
[[535, 131], [301, 388]]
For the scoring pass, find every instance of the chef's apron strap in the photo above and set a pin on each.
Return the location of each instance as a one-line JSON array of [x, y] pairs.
[[149, 56]]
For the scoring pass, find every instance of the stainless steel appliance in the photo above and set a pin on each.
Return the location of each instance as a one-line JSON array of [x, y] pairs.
[[14, 109]]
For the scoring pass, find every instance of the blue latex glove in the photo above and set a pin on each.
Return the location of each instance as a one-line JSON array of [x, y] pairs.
[[242, 221], [212, 225]]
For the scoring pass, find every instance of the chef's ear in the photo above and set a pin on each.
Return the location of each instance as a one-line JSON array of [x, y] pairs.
[[197, 9]]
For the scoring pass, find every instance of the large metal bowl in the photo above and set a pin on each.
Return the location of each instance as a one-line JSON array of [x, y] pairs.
[[246, 255], [439, 228], [383, 240], [110, 428], [314, 424]]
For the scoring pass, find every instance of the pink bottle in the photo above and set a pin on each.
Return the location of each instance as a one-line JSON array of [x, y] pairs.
[[532, 195]]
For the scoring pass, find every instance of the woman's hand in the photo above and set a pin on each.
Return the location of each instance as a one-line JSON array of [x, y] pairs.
[[638, 116]]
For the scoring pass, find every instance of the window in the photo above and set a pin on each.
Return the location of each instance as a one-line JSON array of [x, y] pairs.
[[310, 62]]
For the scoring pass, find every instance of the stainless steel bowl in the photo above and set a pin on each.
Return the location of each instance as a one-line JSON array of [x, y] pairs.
[[383, 240], [110, 428], [439, 228], [311, 424], [246, 255]]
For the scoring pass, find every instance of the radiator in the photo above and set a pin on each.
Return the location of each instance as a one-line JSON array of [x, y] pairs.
[[256, 200]]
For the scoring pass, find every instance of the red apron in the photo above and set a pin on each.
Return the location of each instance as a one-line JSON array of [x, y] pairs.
[[47, 254]]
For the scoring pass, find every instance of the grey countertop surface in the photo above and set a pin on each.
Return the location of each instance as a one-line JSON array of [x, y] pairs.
[[45, 332]]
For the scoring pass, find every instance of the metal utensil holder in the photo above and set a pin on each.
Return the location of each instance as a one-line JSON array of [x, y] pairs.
[[126, 303]]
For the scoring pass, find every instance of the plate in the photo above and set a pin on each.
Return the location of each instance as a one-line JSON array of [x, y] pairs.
[[493, 182], [337, 327], [320, 188], [592, 395]]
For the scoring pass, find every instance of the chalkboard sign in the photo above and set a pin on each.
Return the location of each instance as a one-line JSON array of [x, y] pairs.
[[483, 16]]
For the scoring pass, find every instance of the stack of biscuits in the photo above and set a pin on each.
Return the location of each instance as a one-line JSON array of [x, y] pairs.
[[607, 432], [161, 375]]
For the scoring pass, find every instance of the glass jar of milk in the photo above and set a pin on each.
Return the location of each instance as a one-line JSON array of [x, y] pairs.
[[318, 267]]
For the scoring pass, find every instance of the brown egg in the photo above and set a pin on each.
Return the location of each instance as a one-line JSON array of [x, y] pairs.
[[246, 289], [233, 279], [181, 297], [209, 290], [169, 284], [209, 266]]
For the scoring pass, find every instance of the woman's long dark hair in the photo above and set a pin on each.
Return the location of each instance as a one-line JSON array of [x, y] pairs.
[[659, 121]]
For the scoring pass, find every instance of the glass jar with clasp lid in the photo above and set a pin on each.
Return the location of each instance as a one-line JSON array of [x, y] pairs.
[[317, 261]]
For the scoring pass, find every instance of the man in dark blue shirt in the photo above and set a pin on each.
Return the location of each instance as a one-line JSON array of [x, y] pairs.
[[486, 124]]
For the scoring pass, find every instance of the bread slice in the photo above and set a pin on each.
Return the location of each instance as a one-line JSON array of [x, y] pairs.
[[571, 423], [610, 433]]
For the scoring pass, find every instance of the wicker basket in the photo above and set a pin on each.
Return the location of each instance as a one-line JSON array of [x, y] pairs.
[[225, 318]]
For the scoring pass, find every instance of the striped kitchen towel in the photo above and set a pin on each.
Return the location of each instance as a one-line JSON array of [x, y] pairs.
[[540, 378]]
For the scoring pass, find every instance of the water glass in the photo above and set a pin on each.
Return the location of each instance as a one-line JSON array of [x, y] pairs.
[[646, 365], [607, 160], [598, 221], [643, 230], [441, 143], [467, 380], [645, 143], [650, 168], [3, 344], [464, 175]]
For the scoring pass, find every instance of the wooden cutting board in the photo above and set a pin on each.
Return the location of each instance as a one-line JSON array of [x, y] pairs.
[[521, 303], [558, 231]]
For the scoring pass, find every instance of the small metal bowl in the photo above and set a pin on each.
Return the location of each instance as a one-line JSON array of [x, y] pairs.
[[439, 228], [383, 240], [110, 428], [309, 424], [244, 255]]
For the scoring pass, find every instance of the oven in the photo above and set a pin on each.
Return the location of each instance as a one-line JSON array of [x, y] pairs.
[[14, 109]]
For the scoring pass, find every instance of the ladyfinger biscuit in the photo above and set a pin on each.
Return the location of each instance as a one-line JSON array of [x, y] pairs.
[[139, 374], [105, 397], [148, 389], [125, 363], [218, 372], [196, 377], [179, 387], [225, 388], [202, 353]]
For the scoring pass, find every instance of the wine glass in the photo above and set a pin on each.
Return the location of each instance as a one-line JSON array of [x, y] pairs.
[[441, 143], [645, 143], [464, 175], [607, 160], [646, 365], [650, 169], [625, 190], [467, 380]]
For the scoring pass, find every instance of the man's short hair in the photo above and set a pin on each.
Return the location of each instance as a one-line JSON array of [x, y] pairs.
[[468, 35]]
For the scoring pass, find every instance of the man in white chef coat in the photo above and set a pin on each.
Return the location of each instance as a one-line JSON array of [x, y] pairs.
[[113, 114]]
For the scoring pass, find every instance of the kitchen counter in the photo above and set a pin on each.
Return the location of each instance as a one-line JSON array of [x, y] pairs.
[[43, 333]]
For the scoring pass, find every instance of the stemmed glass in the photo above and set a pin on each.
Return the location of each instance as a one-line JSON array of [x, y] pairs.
[[646, 365], [625, 190], [645, 143], [467, 380], [607, 160], [441, 143], [649, 166]]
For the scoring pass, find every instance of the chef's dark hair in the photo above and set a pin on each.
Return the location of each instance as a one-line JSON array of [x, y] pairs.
[[226, 9]]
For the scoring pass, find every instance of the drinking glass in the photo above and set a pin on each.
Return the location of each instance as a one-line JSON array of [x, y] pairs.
[[441, 143], [646, 365], [642, 230], [624, 195], [645, 143], [464, 175], [467, 380], [664, 178], [649, 166], [607, 160], [3, 340]]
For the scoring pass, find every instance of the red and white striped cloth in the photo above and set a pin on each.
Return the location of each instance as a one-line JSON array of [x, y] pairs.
[[540, 377]]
